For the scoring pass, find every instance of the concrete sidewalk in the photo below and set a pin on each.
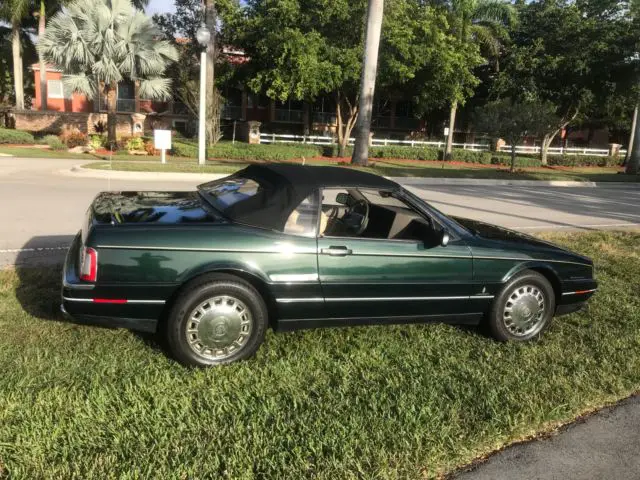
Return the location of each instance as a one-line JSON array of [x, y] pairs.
[[605, 445]]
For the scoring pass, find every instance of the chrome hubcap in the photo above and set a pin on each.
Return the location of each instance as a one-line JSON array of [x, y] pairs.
[[524, 310], [219, 327]]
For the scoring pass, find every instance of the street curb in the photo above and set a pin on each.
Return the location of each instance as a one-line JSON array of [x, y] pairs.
[[431, 181], [79, 171]]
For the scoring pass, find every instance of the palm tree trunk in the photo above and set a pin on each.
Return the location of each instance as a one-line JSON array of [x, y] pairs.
[[513, 156], [452, 122], [368, 81], [16, 47], [43, 66], [210, 20], [112, 118]]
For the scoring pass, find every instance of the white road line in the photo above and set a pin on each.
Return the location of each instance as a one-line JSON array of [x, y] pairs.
[[39, 249]]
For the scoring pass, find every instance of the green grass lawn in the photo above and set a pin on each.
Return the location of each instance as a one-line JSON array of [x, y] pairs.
[[368, 402], [387, 167]]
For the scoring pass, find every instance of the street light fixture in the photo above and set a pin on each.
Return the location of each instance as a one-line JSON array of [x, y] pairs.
[[203, 35]]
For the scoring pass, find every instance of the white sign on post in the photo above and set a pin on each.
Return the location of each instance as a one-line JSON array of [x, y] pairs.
[[446, 131], [162, 142]]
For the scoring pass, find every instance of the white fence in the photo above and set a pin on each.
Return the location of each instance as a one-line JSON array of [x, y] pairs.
[[476, 147]]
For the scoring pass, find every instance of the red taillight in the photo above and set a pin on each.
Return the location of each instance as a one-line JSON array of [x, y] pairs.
[[89, 266]]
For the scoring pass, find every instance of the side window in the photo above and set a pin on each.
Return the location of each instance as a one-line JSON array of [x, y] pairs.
[[365, 213], [304, 219]]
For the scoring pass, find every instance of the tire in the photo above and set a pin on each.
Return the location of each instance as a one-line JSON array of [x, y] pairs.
[[208, 314], [523, 309]]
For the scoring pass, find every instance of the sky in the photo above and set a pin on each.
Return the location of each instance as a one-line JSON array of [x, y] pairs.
[[160, 6]]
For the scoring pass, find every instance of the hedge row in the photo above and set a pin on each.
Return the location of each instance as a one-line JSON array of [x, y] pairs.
[[15, 137], [247, 152], [485, 158]]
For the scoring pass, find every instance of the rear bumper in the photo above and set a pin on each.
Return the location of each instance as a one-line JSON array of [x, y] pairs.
[[80, 301]]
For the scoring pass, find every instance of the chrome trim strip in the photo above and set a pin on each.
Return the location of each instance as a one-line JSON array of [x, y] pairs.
[[296, 300], [392, 299], [294, 277], [147, 302], [67, 299], [532, 260], [284, 251], [581, 292], [90, 300], [77, 286], [377, 299]]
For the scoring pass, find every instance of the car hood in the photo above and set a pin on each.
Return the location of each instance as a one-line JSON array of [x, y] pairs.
[[118, 208], [516, 239]]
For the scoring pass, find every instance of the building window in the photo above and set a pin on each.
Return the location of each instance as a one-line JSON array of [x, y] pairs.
[[55, 89]]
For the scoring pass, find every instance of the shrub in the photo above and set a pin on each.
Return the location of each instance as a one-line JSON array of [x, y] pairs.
[[247, 152], [97, 141], [149, 147], [135, 143], [73, 138], [583, 161], [471, 156], [15, 136], [390, 151], [54, 142]]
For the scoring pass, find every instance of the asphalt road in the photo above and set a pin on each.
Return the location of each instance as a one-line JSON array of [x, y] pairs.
[[43, 207], [604, 446]]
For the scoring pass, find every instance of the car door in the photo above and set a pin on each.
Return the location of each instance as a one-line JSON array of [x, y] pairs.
[[392, 275]]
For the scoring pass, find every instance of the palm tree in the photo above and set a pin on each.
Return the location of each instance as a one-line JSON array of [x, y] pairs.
[[480, 22], [48, 7], [14, 11], [99, 43]]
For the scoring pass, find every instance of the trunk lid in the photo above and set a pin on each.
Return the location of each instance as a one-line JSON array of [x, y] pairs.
[[149, 208]]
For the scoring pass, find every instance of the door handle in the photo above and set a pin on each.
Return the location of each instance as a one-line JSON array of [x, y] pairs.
[[334, 251]]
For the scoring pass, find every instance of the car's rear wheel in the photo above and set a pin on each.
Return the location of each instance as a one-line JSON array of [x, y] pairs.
[[215, 320], [523, 309]]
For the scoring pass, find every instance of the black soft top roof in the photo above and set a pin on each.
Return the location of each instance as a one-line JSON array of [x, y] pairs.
[[284, 186]]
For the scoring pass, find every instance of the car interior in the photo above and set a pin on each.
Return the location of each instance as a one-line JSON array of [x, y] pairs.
[[363, 213]]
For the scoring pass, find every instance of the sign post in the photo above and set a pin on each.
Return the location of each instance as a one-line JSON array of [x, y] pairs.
[[162, 142]]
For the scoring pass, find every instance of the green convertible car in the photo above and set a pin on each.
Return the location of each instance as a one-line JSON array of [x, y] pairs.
[[293, 246]]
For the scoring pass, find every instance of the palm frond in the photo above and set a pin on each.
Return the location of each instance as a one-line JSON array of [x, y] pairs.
[[80, 83], [486, 40], [494, 10], [155, 88]]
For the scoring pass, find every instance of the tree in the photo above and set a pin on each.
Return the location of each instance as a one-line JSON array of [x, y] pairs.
[[98, 43], [303, 50], [476, 22], [513, 121], [7, 84], [180, 28], [577, 64], [368, 80], [14, 11]]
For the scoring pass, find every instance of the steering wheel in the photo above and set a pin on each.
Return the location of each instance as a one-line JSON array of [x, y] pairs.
[[356, 219]]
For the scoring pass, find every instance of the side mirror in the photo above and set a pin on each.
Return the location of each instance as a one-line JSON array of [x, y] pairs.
[[444, 241]]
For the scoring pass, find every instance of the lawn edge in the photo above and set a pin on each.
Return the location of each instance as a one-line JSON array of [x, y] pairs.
[[547, 430]]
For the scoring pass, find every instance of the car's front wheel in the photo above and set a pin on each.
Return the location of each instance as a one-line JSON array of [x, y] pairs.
[[523, 309], [215, 320]]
